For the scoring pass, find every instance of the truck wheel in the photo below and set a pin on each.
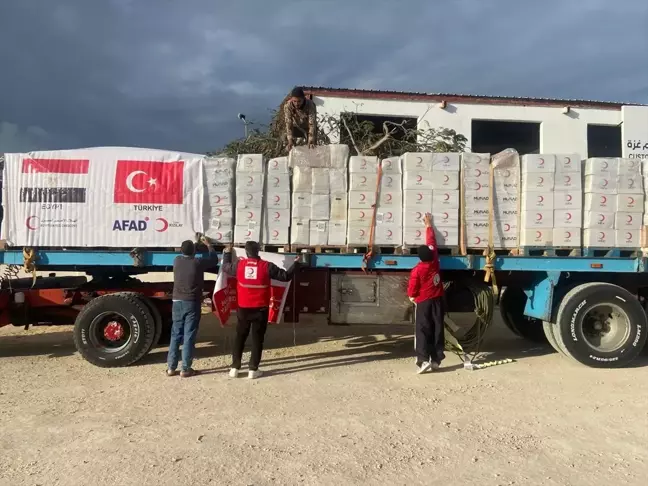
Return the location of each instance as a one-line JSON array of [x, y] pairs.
[[114, 330], [155, 313], [512, 302], [601, 325], [549, 328]]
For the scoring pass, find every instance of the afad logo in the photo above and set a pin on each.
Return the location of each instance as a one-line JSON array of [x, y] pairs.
[[160, 225]]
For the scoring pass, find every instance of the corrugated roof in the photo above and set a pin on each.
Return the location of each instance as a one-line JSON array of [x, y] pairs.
[[458, 98]]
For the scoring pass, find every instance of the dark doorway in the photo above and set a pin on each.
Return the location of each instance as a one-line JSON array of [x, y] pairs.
[[604, 141], [491, 137]]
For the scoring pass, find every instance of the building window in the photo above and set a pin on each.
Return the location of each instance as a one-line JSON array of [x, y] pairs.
[[491, 137], [604, 141]]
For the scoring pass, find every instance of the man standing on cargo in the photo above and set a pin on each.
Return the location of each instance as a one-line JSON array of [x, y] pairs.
[[300, 116], [188, 283], [253, 278], [425, 290]]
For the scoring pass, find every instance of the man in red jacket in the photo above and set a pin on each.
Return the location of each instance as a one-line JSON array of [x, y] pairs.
[[425, 290], [253, 276]]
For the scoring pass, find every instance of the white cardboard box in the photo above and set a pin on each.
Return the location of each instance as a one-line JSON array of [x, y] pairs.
[[278, 166], [391, 166], [477, 185], [250, 182], [476, 198], [301, 205], [320, 207], [599, 202], [224, 213], [538, 163], [629, 167], [220, 199], [476, 212], [630, 203], [360, 217], [419, 200], [630, 184], [364, 164], [302, 179], [568, 218], [536, 237], [537, 200], [536, 219], [568, 163], [445, 199], [414, 235], [363, 182], [338, 181], [246, 200], [277, 200], [358, 235], [389, 234], [221, 236], [300, 232], [446, 161], [278, 182], [628, 221], [445, 180], [627, 238], [567, 200], [599, 237], [390, 199], [566, 237], [446, 218], [413, 218], [389, 216], [248, 215], [245, 233], [391, 182], [538, 181], [338, 207], [446, 236], [320, 181], [318, 233], [361, 199], [417, 181], [417, 161], [607, 168], [470, 160], [600, 184], [598, 220], [276, 235], [568, 182], [277, 217], [250, 163], [337, 233]]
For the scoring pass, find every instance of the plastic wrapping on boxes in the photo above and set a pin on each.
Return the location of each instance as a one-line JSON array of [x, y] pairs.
[[389, 207], [219, 188], [276, 214], [250, 190]]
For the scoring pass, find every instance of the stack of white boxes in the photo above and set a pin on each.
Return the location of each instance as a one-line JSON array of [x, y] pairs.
[[628, 219], [363, 179], [445, 198], [276, 226], [537, 200], [319, 198], [389, 213], [567, 202], [417, 195], [601, 184], [250, 182], [475, 174], [219, 187]]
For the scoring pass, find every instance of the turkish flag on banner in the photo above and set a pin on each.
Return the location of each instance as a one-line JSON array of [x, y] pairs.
[[148, 182], [225, 289]]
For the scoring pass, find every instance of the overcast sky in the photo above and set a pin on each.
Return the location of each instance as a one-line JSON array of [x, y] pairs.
[[175, 73]]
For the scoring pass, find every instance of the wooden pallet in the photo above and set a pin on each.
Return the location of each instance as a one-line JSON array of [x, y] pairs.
[[537, 251], [611, 253], [498, 251], [276, 248], [451, 250], [317, 249]]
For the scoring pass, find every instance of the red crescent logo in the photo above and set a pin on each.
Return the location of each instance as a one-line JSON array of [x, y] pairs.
[[419, 196], [447, 178], [362, 214], [508, 173], [478, 172], [31, 223], [540, 161], [605, 182], [219, 236], [569, 216], [277, 198], [276, 181], [418, 215], [601, 235], [419, 178], [390, 181], [389, 197], [569, 197], [420, 162], [165, 225], [363, 197], [540, 180], [390, 215], [629, 236], [538, 217], [445, 159], [219, 212], [275, 233], [250, 179], [387, 163], [477, 240], [218, 199], [567, 179], [568, 234], [277, 215], [507, 227], [364, 163], [540, 199], [362, 232], [249, 234], [603, 199], [275, 164], [418, 233], [446, 196], [250, 197], [538, 235], [445, 234], [605, 164], [478, 186], [567, 160], [389, 233], [250, 215], [631, 201], [364, 179], [629, 220], [601, 218], [446, 215]]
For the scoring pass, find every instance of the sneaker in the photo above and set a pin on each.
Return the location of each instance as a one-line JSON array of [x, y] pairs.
[[254, 374], [171, 372], [435, 366], [427, 366], [188, 373], [234, 373]]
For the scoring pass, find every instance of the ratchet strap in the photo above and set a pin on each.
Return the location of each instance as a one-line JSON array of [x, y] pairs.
[[489, 252], [372, 231]]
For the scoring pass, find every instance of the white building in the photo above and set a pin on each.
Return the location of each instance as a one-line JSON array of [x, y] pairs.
[[530, 125]]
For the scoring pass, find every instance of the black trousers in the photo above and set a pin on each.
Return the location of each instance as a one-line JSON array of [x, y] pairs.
[[429, 339], [256, 321]]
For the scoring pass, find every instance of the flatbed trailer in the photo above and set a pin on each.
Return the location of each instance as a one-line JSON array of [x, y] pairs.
[[589, 309]]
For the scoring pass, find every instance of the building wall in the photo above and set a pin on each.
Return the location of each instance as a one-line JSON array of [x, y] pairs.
[[559, 132]]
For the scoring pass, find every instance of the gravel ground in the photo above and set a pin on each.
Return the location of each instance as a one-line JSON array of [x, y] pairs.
[[341, 407]]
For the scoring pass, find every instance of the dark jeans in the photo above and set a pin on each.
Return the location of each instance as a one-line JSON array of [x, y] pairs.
[[186, 317], [255, 320], [429, 340]]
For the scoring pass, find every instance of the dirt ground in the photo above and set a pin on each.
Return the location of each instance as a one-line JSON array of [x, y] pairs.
[[342, 406]]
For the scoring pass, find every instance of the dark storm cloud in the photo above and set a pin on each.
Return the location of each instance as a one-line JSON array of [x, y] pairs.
[[174, 74]]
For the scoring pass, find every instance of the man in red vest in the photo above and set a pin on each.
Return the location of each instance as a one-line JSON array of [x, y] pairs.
[[253, 276], [425, 290]]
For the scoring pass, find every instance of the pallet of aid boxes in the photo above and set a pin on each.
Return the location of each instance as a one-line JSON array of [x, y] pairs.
[[482, 217], [431, 185], [276, 225], [613, 206], [250, 183], [551, 205], [319, 197], [219, 190]]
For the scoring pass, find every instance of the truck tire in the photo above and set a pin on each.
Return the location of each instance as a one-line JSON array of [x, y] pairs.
[[114, 330], [601, 325], [155, 313], [549, 330], [512, 302]]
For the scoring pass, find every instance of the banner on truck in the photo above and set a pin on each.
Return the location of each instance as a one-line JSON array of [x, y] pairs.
[[102, 197], [225, 289]]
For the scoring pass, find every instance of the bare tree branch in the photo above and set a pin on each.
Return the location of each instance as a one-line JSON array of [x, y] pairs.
[[353, 142]]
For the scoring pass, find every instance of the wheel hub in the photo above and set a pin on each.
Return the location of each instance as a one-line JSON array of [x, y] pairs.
[[606, 327], [113, 331]]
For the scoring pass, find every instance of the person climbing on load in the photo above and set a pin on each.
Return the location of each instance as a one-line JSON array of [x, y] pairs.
[[425, 291], [300, 116]]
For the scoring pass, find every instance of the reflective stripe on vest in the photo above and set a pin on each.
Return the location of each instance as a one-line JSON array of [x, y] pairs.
[[254, 286]]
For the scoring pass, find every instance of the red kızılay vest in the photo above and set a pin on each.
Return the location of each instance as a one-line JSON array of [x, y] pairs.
[[252, 283]]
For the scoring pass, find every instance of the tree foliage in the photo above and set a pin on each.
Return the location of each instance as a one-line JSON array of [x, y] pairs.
[[362, 136]]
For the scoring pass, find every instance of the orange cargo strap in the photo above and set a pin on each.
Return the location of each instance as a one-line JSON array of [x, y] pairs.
[[369, 255]]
